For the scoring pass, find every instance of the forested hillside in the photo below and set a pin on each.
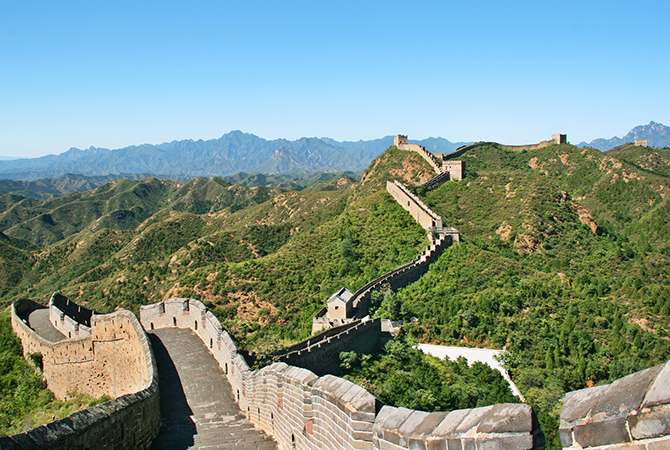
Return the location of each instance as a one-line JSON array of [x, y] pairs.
[[564, 261]]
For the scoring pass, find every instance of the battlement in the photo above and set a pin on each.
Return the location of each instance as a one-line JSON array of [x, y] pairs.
[[555, 139], [113, 357], [304, 411], [399, 140]]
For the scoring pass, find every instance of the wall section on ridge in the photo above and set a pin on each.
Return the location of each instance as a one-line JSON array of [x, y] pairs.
[[301, 410], [411, 203], [115, 359]]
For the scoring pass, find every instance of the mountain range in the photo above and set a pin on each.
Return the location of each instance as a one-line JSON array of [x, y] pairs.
[[656, 134], [232, 153], [237, 152]]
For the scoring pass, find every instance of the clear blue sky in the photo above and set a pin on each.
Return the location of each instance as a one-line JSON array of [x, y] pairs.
[[118, 73]]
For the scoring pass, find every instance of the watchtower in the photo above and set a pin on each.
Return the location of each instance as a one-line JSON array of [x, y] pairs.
[[560, 138], [455, 169], [340, 305], [399, 140], [640, 142]]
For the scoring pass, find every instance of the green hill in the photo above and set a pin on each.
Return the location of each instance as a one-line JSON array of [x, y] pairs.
[[564, 259]]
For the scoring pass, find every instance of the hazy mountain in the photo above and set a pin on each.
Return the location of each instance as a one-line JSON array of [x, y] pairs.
[[45, 188], [656, 134], [377, 146], [232, 153]]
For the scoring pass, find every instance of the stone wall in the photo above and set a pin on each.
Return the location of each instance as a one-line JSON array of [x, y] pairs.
[[304, 411], [109, 361], [400, 141], [518, 148], [454, 168], [129, 421], [411, 203], [435, 181], [501, 426], [69, 318], [321, 353], [402, 276], [631, 413]]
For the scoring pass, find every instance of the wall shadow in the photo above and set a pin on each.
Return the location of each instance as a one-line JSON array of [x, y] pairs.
[[177, 428]]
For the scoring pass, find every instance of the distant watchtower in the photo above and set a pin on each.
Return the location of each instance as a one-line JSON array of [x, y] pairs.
[[640, 142], [399, 140], [559, 138], [455, 169]]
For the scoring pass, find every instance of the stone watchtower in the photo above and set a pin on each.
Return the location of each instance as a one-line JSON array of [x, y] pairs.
[[641, 142], [455, 169], [559, 138], [399, 140]]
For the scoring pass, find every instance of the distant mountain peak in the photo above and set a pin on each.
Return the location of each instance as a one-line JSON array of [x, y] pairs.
[[656, 134]]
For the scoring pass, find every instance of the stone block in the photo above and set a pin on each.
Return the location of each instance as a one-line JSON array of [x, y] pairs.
[[422, 437], [469, 444], [626, 393], [384, 413], [472, 420], [19, 442], [661, 444], [448, 426], [604, 432], [390, 427], [650, 423], [505, 442], [364, 406], [507, 418], [659, 392], [385, 445], [578, 404], [454, 444], [410, 425]]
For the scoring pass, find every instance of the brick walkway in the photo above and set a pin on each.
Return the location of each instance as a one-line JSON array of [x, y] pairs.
[[39, 321], [197, 406]]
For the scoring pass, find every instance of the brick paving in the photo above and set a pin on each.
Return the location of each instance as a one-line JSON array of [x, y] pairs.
[[197, 406], [39, 321]]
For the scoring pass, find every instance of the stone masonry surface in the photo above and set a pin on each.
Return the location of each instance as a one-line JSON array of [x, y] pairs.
[[631, 413], [197, 406], [108, 360], [304, 411], [129, 421]]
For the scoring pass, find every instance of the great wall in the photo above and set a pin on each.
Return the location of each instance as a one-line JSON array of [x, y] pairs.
[[112, 355]]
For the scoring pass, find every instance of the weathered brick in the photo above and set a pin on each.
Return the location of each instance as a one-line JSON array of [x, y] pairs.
[[578, 404], [650, 423], [472, 419], [510, 441], [659, 392], [604, 432], [627, 392], [660, 444], [507, 418]]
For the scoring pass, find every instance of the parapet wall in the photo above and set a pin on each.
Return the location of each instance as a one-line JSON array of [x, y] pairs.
[[115, 359], [403, 275], [411, 203], [321, 353], [304, 411], [631, 413], [518, 148], [428, 156], [109, 361], [69, 318]]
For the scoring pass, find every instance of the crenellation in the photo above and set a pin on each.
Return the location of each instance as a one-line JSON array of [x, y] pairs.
[[115, 358]]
